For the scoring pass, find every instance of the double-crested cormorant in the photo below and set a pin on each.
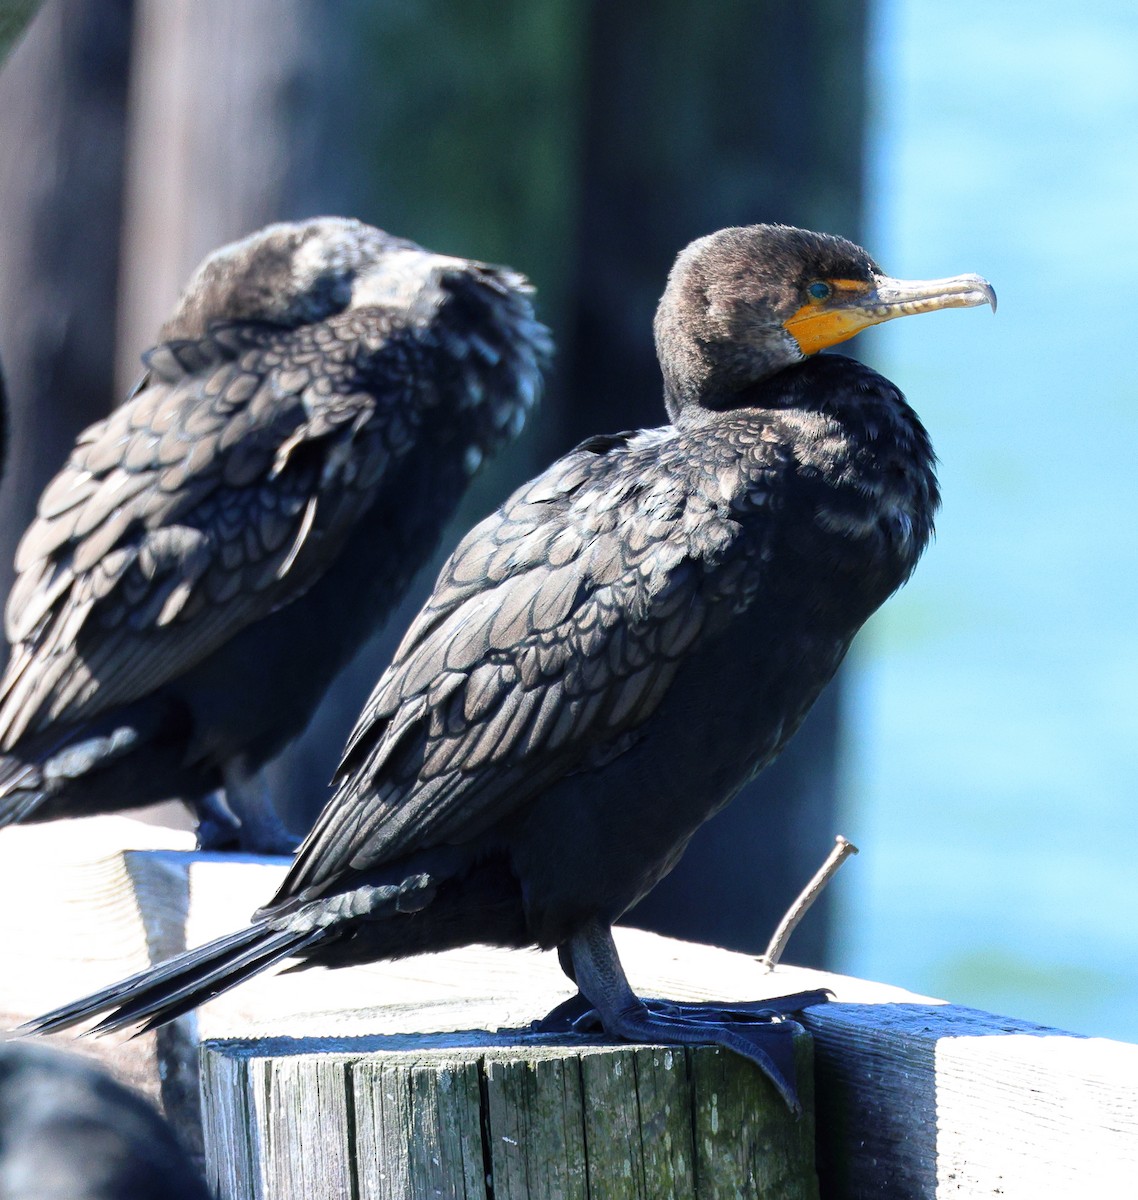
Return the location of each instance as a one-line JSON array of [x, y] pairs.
[[610, 656], [69, 1131], [215, 551]]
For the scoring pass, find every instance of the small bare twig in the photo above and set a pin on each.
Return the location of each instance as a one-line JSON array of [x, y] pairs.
[[841, 851]]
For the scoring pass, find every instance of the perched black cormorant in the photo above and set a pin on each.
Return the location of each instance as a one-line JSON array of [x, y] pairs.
[[610, 656], [215, 551]]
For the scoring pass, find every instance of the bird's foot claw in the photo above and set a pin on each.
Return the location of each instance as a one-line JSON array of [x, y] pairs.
[[759, 1030], [765, 1037], [755, 1012], [570, 1016]]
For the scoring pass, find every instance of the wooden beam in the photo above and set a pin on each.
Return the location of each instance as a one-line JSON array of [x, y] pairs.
[[929, 1100], [915, 1098]]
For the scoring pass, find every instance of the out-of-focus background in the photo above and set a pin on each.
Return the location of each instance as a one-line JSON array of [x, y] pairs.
[[990, 751], [981, 746]]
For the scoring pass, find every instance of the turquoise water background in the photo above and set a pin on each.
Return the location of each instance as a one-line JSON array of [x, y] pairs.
[[992, 768]]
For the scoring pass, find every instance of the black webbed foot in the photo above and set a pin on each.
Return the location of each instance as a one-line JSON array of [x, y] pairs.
[[218, 826], [760, 1030], [746, 1011], [577, 1015]]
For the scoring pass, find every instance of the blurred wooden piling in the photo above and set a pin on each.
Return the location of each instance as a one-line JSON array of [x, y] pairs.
[[390, 1065]]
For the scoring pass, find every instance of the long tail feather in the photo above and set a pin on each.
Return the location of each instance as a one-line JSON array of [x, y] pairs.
[[20, 793], [18, 807], [161, 993]]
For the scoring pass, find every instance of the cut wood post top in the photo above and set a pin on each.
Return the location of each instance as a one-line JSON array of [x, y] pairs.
[[514, 1117]]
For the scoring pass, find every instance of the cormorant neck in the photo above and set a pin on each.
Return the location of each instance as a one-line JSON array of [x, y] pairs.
[[714, 375], [720, 382]]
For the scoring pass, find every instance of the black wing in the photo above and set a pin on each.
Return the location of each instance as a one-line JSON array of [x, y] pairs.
[[219, 492], [553, 632]]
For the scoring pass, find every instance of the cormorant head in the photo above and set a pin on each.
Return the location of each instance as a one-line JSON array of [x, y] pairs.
[[298, 273], [292, 273], [748, 301]]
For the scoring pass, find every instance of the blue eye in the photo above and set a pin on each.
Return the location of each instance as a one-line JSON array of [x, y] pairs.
[[819, 290]]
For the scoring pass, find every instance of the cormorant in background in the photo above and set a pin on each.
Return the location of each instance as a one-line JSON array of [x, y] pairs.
[[216, 550], [610, 656], [68, 1131]]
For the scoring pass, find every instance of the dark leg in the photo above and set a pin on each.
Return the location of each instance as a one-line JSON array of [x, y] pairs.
[[760, 1031], [218, 825], [247, 796]]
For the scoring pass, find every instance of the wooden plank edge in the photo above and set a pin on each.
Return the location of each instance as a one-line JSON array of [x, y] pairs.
[[929, 1100]]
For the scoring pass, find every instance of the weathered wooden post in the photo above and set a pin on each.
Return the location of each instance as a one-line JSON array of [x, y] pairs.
[[507, 1116]]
